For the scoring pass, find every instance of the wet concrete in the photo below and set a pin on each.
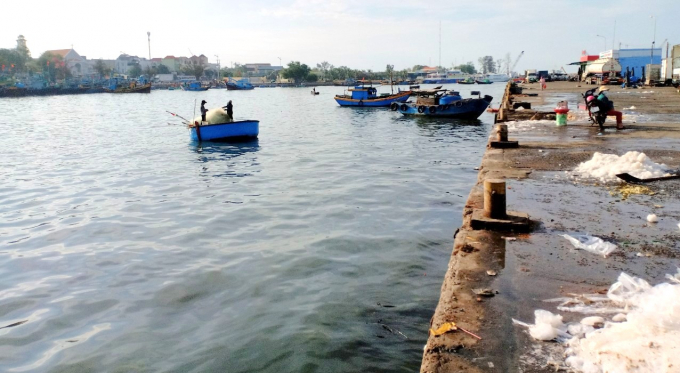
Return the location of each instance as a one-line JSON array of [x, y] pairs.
[[542, 265]]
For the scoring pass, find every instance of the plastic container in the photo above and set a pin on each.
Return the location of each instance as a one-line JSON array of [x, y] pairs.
[[561, 110]]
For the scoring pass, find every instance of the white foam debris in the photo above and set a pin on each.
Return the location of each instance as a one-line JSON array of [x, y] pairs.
[[630, 108], [591, 244], [646, 340], [619, 317], [605, 166], [652, 218], [593, 320], [678, 225], [526, 125]]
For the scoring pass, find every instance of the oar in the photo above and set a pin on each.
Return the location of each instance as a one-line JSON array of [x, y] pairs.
[[632, 179]]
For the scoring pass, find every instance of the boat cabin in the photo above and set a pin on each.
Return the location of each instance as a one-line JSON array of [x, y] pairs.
[[437, 97], [363, 93]]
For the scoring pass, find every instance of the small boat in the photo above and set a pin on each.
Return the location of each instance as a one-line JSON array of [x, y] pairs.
[[194, 87], [314, 92], [414, 86], [467, 81], [443, 103], [231, 131], [367, 96], [132, 87], [239, 85], [483, 81]]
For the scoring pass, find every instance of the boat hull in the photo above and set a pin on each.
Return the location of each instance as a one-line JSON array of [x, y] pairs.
[[441, 81], [462, 109], [199, 89], [232, 131], [234, 87], [482, 82], [374, 102], [146, 88]]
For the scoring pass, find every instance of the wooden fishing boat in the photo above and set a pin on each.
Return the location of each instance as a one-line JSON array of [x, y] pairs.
[[132, 88], [483, 81], [194, 87], [363, 96], [231, 131], [443, 103], [239, 85], [467, 81]]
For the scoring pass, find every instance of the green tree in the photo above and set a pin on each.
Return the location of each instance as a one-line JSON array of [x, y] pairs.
[[417, 67], [162, 69], [468, 68], [149, 72], [101, 68], [9, 57], [194, 70], [227, 72], [324, 67], [487, 64], [311, 77], [53, 66], [296, 71], [135, 71], [389, 72], [210, 74]]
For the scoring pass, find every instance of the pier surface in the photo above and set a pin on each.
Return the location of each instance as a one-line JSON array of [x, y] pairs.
[[524, 269]]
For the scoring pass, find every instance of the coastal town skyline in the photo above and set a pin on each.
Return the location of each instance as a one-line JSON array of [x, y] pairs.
[[315, 31]]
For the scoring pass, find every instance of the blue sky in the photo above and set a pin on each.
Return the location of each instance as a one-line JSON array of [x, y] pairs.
[[364, 34]]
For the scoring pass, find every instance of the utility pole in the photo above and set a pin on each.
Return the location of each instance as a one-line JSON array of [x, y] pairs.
[[148, 34], [651, 57], [440, 44]]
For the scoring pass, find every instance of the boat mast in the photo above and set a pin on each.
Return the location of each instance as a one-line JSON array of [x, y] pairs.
[[440, 44]]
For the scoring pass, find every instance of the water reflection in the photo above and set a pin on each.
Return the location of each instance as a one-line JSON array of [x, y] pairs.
[[227, 159], [447, 127]]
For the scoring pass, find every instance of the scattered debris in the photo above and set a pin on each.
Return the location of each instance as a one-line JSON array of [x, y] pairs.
[[484, 292], [509, 238], [652, 218], [592, 244], [625, 190], [450, 326], [491, 272]]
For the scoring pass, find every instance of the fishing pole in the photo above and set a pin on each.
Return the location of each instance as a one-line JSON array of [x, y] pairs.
[[177, 115]]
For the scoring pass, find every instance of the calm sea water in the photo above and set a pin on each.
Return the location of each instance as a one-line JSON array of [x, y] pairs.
[[321, 247]]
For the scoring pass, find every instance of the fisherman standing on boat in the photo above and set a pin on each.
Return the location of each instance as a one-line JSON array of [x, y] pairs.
[[230, 110], [204, 111]]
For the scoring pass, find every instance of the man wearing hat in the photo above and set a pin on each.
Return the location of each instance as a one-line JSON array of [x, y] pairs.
[[204, 111], [607, 106]]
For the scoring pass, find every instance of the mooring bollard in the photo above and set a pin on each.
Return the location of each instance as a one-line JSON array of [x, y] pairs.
[[494, 199], [502, 132]]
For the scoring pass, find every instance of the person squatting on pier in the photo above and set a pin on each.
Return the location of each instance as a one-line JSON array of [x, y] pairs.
[[608, 106]]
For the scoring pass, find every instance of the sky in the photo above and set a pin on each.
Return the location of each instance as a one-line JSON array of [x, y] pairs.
[[361, 34]]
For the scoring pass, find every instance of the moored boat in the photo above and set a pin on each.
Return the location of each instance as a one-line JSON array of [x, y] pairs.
[[467, 81], [445, 104], [133, 87], [239, 85], [367, 96], [194, 87], [483, 81], [230, 131]]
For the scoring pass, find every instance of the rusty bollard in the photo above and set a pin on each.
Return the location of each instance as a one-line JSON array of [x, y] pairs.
[[494, 199], [502, 132]]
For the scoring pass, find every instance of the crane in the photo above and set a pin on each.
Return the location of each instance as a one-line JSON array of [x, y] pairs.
[[510, 69]]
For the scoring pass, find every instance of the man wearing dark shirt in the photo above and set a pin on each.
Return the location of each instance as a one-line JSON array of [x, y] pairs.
[[204, 111]]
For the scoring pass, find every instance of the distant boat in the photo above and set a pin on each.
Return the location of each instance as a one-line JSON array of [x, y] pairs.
[[367, 96], [444, 104], [498, 77], [231, 131], [467, 81], [483, 81], [194, 87], [124, 86], [450, 77], [239, 85]]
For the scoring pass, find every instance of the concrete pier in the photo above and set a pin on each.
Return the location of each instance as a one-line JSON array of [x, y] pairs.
[[495, 276]]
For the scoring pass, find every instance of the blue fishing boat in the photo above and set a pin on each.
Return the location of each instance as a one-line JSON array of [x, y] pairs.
[[443, 103], [239, 85], [194, 87], [231, 131], [364, 96]]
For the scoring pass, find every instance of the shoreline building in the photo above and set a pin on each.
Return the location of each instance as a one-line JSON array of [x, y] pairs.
[[78, 65], [634, 60]]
